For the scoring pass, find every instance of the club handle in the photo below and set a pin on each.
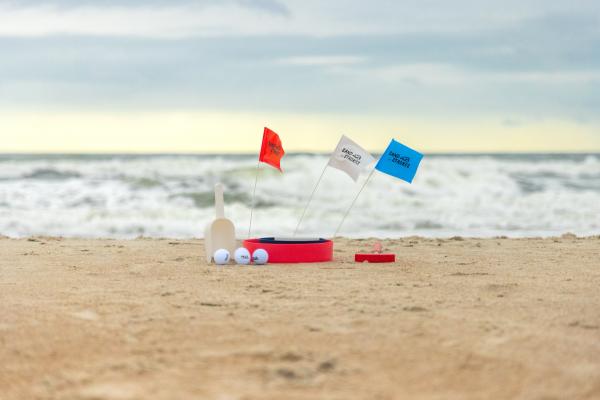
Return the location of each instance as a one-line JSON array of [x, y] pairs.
[[219, 204]]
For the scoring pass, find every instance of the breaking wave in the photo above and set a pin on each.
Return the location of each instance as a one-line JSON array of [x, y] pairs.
[[126, 196]]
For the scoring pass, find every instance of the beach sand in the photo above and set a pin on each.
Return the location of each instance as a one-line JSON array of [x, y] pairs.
[[451, 319]]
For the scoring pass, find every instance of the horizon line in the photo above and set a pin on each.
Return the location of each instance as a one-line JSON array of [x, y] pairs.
[[434, 153]]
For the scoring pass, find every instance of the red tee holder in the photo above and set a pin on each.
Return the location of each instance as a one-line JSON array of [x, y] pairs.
[[375, 257]]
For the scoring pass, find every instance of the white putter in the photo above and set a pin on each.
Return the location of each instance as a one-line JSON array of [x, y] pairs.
[[219, 234]]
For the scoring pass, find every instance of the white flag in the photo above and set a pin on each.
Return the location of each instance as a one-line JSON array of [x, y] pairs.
[[350, 157]]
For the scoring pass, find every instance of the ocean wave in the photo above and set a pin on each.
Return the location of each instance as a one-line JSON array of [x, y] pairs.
[[172, 196]]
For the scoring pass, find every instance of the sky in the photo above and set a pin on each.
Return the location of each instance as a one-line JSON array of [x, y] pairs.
[[206, 75]]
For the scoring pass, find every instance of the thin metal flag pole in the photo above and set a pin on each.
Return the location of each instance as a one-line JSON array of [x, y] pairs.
[[352, 204], [310, 199], [253, 197]]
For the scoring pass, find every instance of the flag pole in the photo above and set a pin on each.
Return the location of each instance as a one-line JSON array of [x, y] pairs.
[[352, 204], [310, 199], [253, 197]]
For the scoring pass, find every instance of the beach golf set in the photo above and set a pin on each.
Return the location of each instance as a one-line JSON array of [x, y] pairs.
[[220, 242]]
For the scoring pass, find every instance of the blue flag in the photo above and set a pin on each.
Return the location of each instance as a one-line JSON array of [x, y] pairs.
[[399, 161]]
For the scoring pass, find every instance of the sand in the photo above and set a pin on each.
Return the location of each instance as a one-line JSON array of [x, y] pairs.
[[451, 319]]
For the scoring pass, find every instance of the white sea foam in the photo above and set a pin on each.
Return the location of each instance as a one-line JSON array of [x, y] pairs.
[[171, 196]]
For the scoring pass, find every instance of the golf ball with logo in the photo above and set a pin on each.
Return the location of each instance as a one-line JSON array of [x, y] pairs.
[[221, 257], [260, 256], [242, 256]]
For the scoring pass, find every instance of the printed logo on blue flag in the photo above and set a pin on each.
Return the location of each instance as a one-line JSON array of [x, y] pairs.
[[400, 161]]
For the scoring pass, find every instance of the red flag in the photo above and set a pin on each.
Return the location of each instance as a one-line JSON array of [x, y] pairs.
[[271, 150]]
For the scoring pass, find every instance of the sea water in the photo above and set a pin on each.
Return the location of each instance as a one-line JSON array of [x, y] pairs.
[[126, 196]]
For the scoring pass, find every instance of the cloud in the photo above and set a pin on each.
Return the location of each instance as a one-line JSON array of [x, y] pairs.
[[511, 122], [517, 58], [273, 6], [322, 60], [174, 21], [453, 75], [180, 18]]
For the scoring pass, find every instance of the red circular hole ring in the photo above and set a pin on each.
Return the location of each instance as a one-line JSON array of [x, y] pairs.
[[293, 252]]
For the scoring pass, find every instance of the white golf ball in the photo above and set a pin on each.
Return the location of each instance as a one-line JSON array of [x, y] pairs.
[[260, 256], [221, 257], [242, 256]]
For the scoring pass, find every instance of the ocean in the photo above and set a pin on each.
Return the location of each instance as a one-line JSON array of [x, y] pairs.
[[127, 196]]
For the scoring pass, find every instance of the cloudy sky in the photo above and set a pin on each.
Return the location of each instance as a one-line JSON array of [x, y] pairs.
[[207, 75]]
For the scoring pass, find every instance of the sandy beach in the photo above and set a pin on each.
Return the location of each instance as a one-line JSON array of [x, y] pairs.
[[451, 319]]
